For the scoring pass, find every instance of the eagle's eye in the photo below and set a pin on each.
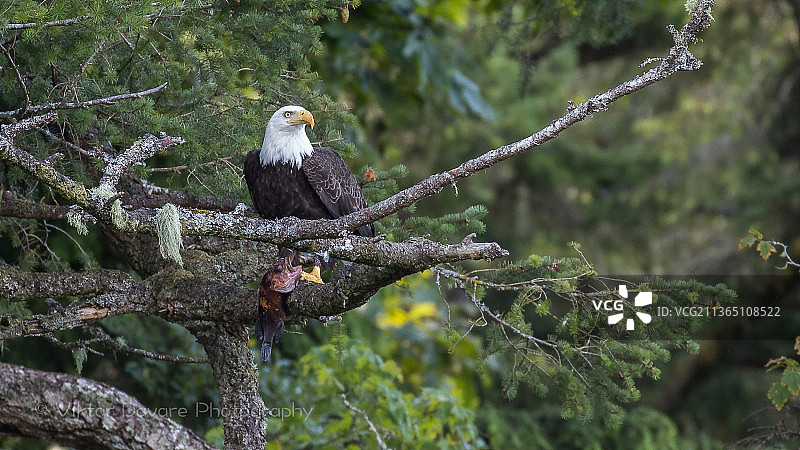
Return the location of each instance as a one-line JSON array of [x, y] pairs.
[[287, 114]]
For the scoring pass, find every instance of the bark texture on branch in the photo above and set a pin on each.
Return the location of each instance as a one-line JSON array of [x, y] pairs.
[[83, 413], [211, 289], [17, 285]]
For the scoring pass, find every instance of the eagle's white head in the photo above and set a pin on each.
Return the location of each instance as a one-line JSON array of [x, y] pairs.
[[285, 140]]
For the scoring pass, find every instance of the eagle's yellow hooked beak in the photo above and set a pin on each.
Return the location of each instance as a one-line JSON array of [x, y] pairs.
[[302, 117]]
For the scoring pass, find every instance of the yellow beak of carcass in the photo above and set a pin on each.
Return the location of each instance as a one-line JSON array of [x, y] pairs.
[[302, 117]]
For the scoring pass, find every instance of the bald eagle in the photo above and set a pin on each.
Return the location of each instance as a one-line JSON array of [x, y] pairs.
[[290, 177]]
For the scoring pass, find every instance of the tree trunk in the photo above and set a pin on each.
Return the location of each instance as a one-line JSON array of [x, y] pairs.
[[243, 414]]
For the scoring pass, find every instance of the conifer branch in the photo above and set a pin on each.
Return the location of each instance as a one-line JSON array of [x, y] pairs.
[[54, 23], [21, 82], [72, 21], [58, 106], [515, 286], [503, 324]]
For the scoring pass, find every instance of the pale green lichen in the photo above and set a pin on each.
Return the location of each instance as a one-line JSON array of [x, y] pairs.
[[75, 218], [118, 218], [79, 355], [104, 192], [117, 215], [168, 227]]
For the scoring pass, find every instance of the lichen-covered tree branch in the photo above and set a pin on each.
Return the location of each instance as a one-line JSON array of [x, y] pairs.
[[73, 152]]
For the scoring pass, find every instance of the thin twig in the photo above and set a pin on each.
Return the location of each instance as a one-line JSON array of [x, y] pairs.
[[516, 286], [85, 65], [364, 416], [95, 153], [326, 142], [487, 311], [178, 169], [55, 23], [80, 248], [785, 254], [80, 344], [66, 22], [106, 339], [21, 82]]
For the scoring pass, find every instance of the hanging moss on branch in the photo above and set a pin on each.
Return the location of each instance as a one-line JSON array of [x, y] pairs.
[[168, 225]]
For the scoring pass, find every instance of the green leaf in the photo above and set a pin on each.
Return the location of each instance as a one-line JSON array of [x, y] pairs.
[[791, 379], [747, 241], [779, 394], [755, 233], [765, 249]]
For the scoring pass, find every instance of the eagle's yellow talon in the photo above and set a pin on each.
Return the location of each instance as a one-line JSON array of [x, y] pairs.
[[313, 276]]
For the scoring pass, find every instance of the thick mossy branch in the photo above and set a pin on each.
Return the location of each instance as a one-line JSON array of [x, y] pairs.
[[211, 291], [42, 171], [17, 285], [414, 252], [13, 206], [113, 205], [83, 413]]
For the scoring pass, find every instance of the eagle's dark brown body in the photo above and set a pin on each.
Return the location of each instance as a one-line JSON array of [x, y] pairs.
[[323, 188]]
